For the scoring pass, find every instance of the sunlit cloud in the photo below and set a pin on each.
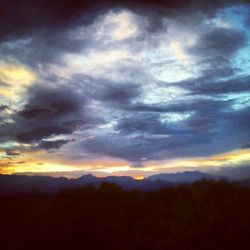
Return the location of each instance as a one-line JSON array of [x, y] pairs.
[[233, 158], [36, 167], [117, 26], [178, 50], [170, 61], [16, 78], [174, 117]]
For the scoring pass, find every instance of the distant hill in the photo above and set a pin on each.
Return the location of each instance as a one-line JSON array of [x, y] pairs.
[[45, 184], [185, 177]]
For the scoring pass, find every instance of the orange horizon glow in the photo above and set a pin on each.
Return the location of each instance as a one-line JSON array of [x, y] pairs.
[[31, 163], [139, 177]]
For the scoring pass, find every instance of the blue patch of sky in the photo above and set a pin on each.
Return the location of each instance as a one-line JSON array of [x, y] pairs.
[[237, 16]]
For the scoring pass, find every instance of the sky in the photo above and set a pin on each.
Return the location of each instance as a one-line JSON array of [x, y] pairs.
[[124, 87]]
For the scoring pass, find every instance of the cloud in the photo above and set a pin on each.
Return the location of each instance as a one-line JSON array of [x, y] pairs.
[[12, 153], [219, 43], [49, 111], [158, 134], [208, 86], [48, 145], [118, 95], [3, 108], [132, 80], [246, 146], [24, 16]]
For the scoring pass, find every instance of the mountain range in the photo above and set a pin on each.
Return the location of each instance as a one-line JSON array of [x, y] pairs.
[[25, 183]]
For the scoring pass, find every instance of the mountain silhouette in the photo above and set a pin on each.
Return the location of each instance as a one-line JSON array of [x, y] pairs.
[[185, 177], [46, 184]]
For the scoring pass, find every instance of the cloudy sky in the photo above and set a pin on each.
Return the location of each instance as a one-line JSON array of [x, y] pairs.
[[124, 88]]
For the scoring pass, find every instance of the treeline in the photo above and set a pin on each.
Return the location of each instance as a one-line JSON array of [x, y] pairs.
[[204, 215]]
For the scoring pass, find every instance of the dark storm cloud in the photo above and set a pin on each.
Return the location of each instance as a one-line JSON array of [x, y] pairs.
[[142, 123], [48, 145], [240, 119], [41, 47], [62, 109], [220, 43], [149, 146], [12, 153], [49, 111], [40, 31], [217, 68], [212, 127], [204, 115], [3, 107], [19, 18], [216, 48], [136, 148], [116, 146], [115, 95], [120, 94], [49, 102], [198, 104], [211, 86], [246, 146]]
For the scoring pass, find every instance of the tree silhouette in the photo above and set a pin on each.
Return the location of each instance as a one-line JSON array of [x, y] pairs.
[[204, 215]]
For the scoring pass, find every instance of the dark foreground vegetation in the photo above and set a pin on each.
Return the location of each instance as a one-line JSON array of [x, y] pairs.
[[204, 215]]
